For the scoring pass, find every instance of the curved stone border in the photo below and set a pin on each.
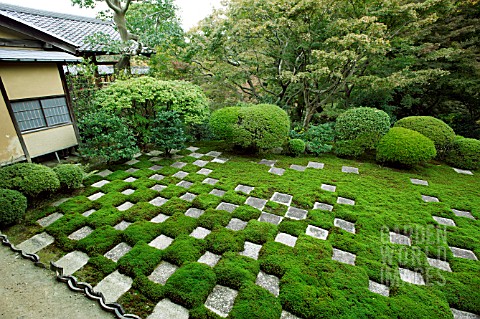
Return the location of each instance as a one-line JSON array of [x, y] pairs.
[[72, 282]]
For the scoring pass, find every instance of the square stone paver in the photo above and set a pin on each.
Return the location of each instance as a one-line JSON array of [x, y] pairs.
[[461, 213], [204, 171], [157, 177], [439, 264], [220, 160], [36, 243], [50, 219], [210, 181], [122, 225], [180, 174], [160, 218], [105, 173], [217, 192], [154, 159], [95, 196], [267, 162], [429, 199], [196, 155], [287, 315], [251, 250], [349, 169], [163, 271], [154, 153], [286, 239], [277, 171], [227, 207], [118, 252], [343, 256], [200, 233], [323, 206], [244, 189], [89, 212], [444, 221], [130, 179], [72, 262], [189, 197], [221, 300], [128, 191], [214, 154], [296, 213], [166, 309], [298, 168], [200, 163], [236, 224], [377, 288], [125, 206], [185, 184], [281, 198], [463, 171], [179, 165], [60, 202], [418, 182], [132, 170], [194, 212], [192, 148], [315, 165], [100, 183], [328, 188], [317, 232], [161, 242], [400, 239], [158, 201], [345, 201], [80, 233], [158, 188], [270, 218], [412, 277], [132, 162], [463, 253], [113, 286], [457, 314], [257, 203], [155, 168], [209, 259], [269, 282], [343, 224]]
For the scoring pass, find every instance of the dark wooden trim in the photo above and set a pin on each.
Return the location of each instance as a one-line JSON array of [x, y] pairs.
[[39, 98], [69, 101], [24, 43], [45, 128], [14, 121]]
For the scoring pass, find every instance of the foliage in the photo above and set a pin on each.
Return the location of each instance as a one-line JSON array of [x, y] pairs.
[[222, 122], [167, 132], [296, 146], [356, 147], [13, 206], [30, 179], [405, 147], [69, 175], [318, 138], [106, 137], [81, 81], [464, 153], [360, 121]]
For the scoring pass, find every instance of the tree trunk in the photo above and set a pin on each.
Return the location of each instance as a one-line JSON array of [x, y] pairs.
[[309, 113]]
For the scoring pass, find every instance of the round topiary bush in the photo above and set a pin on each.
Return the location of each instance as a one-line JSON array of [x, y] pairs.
[[357, 122], [29, 179], [405, 147], [222, 122], [69, 175], [464, 153], [438, 131], [13, 205], [296, 146]]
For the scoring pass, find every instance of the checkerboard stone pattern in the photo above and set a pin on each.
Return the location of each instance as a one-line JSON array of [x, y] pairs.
[[251, 250], [429, 199], [343, 224], [286, 239], [118, 252], [226, 207], [315, 165], [122, 225], [125, 206], [269, 282], [296, 213], [257, 203], [323, 206], [72, 262], [163, 271], [50, 219], [281, 198], [270, 163], [194, 212], [418, 182], [463, 171], [317, 232], [270, 218], [166, 309], [411, 277], [36, 243], [161, 242], [287, 315], [349, 169], [377, 288], [113, 286], [244, 189], [80, 233], [463, 253], [400, 239], [439, 264], [277, 171], [458, 314], [217, 192], [298, 168], [200, 233], [221, 300], [444, 221], [461, 213], [345, 201], [180, 174], [100, 183], [236, 224], [343, 257], [209, 259], [160, 218]]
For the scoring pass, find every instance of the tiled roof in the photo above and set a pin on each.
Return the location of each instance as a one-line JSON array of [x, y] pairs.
[[70, 28], [37, 56]]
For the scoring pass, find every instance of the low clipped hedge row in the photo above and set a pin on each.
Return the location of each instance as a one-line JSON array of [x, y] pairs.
[[12, 206]]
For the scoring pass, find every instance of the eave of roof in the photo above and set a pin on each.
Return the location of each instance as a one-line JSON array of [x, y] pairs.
[[36, 56]]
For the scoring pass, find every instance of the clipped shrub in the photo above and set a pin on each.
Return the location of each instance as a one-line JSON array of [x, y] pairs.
[[405, 147], [355, 147], [222, 122], [464, 153], [438, 131], [13, 205], [319, 138], [296, 146], [167, 132], [29, 179], [69, 175]]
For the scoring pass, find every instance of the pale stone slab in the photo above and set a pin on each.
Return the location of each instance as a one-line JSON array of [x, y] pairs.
[[349, 169], [298, 168], [161, 242], [210, 181], [200, 233], [100, 183], [130, 179], [315, 165], [158, 201], [122, 225], [194, 212], [418, 182], [209, 259], [166, 309], [227, 207], [89, 212], [163, 271], [463, 253], [221, 300], [287, 315], [60, 202], [251, 250], [157, 177], [276, 171], [296, 213], [154, 159], [125, 206], [105, 173], [463, 171], [345, 225], [236, 224], [343, 257], [286, 239], [257, 203], [444, 221], [155, 168], [154, 153], [400, 239], [461, 213], [457, 314], [185, 184], [270, 218], [204, 171], [118, 252], [281, 198], [328, 188], [95, 196], [72, 262], [429, 199], [378, 288], [80, 233], [323, 206], [439, 264], [180, 174], [158, 188], [244, 189], [132, 162], [345, 201], [269, 282], [214, 154], [36, 243], [267, 162], [220, 160], [179, 165], [200, 163], [217, 192], [189, 197], [412, 277], [114, 286], [128, 191], [317, 232], [197, 155], [50, 219], [160, 218], [192, 148], [132, 170]]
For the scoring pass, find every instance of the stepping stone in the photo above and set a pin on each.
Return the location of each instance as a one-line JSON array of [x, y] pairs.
[[200, 163], [217, 192], [418, 182], [281, 198], [160, 218], [157, 177], [128, 191], [378, 288], [349, 169], [317, 232], [315, 165], [163, 271], [463, 171], [439, 264], [166, 309], [196, 155], [130, 179], [210, 181], [60, 202], [154, 153], [227, 207], [444, 221], [104, 173], [132, 170], [429, 199], [122, 225], [36, 243], [114, 286], [400, 239], [257, 203], [412, 277], [80, 233], [244, 189], [269, 282], [221, 300], [236, 224], [328, 188], [179, 165], [296, 213], [72, 262], [118, 252], [194, 212], [161, 242], [214, 154], [345, 201], [192, 148], [323, 206], [185, 184], [461, 213], [276, 171], [287, 315], [343, 224], [200, 233], [209, 259], [158, 188], [270, 218], [50, 219], [155, 168], [298, 168], [132, 162], [286, 239], [204, 171], [89, 212], [125, 206], [154, 159], [267, 162], [100, 183], [457, 314], [176, 157], [220, 160], [137, 155], [189, 197], [463, 253], [95, 196], [343, 257], [251, 250], [158, 201], [180, 174]]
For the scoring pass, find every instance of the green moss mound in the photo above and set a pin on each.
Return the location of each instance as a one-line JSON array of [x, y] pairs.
[[29, 179], [296, 146], [69, 175], [12, 206], [464, 153]]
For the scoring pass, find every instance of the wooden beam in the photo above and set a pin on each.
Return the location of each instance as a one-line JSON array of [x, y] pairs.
[[69, 101], [24, 43]]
